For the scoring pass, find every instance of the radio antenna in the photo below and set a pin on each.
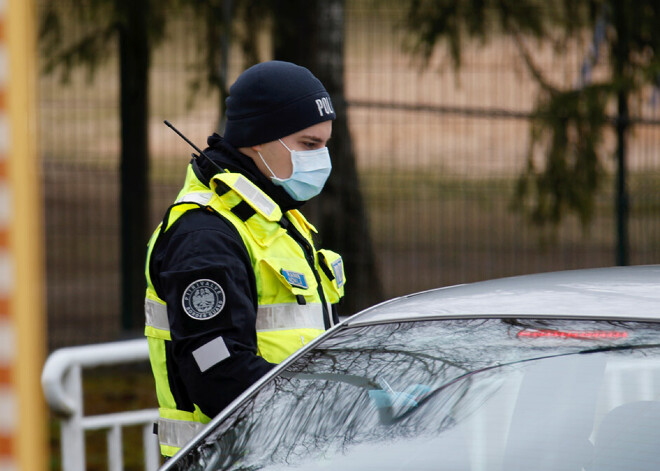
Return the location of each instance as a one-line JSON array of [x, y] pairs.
[[201, 152]]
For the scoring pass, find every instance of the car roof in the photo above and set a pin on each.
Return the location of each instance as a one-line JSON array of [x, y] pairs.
[[615, 292]]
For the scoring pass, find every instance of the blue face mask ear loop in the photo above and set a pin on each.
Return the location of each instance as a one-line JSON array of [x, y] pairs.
[[267, 166], [285, 146]]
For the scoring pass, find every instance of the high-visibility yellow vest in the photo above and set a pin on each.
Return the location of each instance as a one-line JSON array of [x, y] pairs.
[[290, 310]]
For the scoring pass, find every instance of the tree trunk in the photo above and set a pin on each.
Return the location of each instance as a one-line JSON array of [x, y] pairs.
[[316, 41], [134, 206]]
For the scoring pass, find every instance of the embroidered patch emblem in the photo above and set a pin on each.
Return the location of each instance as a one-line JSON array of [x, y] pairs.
[[338, 270], [203, 299], [294, 278]]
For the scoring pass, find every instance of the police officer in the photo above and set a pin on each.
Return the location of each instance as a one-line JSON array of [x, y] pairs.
[[234, 282]]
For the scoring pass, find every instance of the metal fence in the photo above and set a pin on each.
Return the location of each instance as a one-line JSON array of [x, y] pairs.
[[438, 154], [62, 383]]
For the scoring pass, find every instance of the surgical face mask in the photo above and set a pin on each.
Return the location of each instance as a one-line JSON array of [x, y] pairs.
[[311, 169]]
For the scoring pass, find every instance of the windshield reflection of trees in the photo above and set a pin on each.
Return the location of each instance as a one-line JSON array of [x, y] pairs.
[[321, 406]]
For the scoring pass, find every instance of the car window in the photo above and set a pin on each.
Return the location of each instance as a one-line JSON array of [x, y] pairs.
[[468, 394]]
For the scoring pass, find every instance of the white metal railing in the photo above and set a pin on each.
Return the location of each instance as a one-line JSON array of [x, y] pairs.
[[61, 380]]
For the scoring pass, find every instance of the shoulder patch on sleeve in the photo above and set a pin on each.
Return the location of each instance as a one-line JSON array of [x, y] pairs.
[[203, 299]]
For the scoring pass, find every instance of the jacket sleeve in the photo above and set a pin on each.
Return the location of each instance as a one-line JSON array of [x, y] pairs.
[[205, 276]]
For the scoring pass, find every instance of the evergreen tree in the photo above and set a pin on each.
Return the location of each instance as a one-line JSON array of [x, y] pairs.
[[568, 124]]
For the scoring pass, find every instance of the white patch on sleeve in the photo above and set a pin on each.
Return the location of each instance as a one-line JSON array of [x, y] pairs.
[[211, 354]]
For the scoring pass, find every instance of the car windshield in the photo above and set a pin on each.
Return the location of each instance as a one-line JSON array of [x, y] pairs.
[[467, 394]]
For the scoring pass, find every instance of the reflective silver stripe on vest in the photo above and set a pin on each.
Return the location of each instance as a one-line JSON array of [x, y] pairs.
[[289, 316], [254, 195], [155, 315], [198, 197], [177, 433]]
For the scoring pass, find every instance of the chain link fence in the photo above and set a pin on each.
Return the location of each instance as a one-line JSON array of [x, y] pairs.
[[438, 152]]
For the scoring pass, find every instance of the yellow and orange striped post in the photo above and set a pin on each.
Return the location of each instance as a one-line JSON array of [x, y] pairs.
[[22, 344]]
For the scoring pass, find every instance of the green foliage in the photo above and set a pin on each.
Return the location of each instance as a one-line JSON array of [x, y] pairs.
[[568, 124], [240, 20], [99, 22], [89, 50], [436, 21]]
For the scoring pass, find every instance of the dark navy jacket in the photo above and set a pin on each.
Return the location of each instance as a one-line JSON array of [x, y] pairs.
[[203, 245]]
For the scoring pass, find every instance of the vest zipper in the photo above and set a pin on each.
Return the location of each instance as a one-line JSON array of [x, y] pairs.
[[309, 256]]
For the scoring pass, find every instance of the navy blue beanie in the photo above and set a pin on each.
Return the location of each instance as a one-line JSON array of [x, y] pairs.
[[272, 100]]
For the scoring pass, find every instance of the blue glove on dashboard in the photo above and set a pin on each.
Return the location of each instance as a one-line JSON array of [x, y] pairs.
[[407, 398]]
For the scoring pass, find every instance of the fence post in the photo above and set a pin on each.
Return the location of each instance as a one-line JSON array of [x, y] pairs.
[[151, 448], [73, 439], [622, 203], [115, 458]]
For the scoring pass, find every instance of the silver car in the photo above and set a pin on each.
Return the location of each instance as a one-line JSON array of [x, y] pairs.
[[556, 371]]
